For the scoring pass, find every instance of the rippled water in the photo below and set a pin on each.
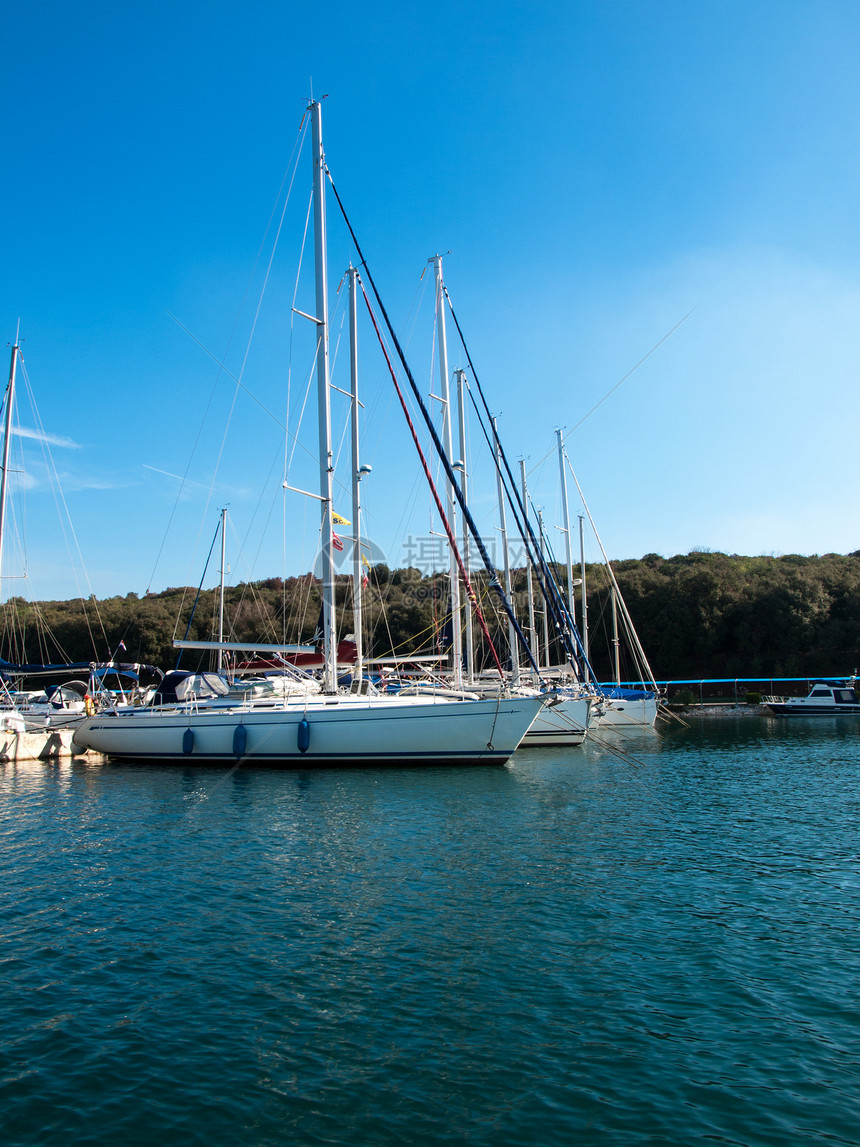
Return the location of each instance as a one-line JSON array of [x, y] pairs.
[[574, 948]]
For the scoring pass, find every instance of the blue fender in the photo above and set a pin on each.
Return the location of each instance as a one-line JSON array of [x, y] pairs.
[[188, 741], [240, 741], [304, 735]]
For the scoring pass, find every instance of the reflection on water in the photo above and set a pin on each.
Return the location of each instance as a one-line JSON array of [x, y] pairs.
[[655, 946]]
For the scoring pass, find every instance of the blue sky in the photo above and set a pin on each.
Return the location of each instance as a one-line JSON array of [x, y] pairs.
[[597, 172]]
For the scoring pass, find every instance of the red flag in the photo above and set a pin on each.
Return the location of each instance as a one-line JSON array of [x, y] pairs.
[[335, 541]]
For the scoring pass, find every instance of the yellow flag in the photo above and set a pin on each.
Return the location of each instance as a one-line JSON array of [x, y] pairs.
[[338, 520]]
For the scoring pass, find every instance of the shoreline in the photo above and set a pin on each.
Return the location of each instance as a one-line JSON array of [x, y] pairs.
[[731, 710]]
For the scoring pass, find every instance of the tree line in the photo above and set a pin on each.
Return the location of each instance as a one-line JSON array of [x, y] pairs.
[[698, 615]]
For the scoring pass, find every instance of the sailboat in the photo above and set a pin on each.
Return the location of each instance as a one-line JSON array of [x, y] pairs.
[[37, 727], [624, 708], [570, 721], [328, 727], [627, 708], [565, 719]]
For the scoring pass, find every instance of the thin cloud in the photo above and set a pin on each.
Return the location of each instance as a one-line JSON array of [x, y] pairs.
[[42, 479], [75, 483], [47, 439]]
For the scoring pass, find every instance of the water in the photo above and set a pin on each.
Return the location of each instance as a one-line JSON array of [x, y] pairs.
[[572, 948]]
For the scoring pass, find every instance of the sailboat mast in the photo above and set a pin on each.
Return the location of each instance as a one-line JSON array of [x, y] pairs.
[[464, 486], [545, 610], [529, 585], [447, 440], [566, 516], [323, 402], [503, 531], [584, 598], [221, 594], [357, 577], [7, 440]]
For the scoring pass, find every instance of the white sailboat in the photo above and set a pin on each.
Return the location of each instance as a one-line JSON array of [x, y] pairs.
[[565, 719], [330, 727], [575, 707], [30, 729], [624, 709]]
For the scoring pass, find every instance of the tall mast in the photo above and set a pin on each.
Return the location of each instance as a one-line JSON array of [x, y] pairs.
[[615, 642], [464, 486], [323, 402], [584, 598], [503, 530], [530, 587], [7, 439], [357, 471], [447, 443], [545, 604], [566, 516], [221, 594]]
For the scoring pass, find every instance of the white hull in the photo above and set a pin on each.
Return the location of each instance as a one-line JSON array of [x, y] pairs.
[[47, 745], [38, 716], [627, 716], [787, 709], [59, 719], [803, 708], [338, 731], [563, 724]]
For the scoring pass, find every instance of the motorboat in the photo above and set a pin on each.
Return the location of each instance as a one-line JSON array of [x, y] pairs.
[[825, 699]]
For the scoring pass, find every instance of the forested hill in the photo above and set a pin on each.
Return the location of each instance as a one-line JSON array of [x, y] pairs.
[[698, 615], [715, 615]]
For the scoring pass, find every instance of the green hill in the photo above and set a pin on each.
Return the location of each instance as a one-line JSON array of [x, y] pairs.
[[698, 615]]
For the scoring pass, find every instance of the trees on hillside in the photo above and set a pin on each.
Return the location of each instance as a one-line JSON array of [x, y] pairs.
[[697, 615]]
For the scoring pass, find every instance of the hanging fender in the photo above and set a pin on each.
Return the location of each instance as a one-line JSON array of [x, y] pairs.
[[304, 735], [240, 741], [188, 741]]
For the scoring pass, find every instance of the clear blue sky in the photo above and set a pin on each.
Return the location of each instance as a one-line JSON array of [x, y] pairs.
[[597, 171]]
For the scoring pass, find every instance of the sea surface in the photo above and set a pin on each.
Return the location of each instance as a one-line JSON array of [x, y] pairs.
[[659, 945]]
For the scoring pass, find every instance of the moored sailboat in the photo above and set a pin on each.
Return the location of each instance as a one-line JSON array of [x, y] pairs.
[[623, 709], [29, 730], [565, 718], [328, 727]]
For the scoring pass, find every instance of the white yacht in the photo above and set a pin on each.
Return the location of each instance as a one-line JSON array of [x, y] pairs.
[[825, 699]]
